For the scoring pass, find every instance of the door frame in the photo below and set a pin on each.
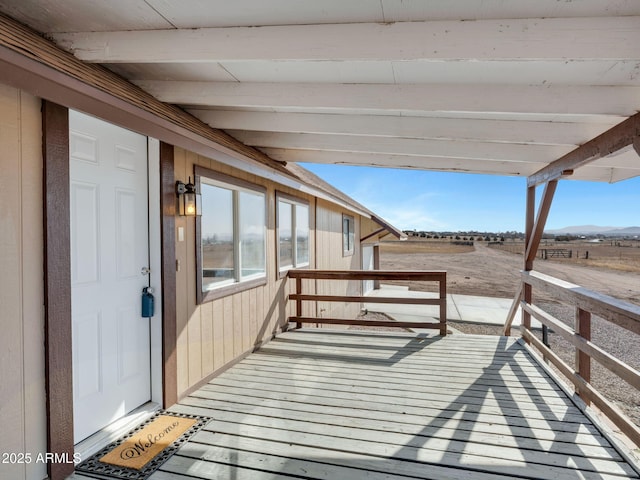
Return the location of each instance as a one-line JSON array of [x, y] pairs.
[[57, 280]]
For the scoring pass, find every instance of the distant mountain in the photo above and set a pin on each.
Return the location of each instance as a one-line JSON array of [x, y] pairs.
[[596, 230], [624, 231]]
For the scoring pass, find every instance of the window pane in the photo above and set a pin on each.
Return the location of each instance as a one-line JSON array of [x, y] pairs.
[[352, 235], [348, 235], [252, 234], [345, 234], [302, 235], [285, 240], [217, 235]]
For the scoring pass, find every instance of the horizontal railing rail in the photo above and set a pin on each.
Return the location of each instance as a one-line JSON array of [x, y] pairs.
[[586, 304], [378, 275]]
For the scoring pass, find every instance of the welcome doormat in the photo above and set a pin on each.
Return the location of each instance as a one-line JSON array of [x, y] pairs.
[[144, 449]]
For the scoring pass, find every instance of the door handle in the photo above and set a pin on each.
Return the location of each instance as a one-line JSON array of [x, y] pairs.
[[145, 271]]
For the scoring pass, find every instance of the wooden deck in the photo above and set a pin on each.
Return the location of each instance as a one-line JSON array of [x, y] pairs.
[[340, 405]]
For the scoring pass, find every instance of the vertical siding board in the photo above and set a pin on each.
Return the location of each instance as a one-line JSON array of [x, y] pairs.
[[245, 320], [11, 344], [228, 329], [237, 324], [32, 284], [206, 318], [253, 315], [266, 306], [218, 334], [259, 302]]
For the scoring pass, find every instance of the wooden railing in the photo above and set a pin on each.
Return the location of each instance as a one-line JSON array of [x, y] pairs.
[[376, 275], [586, 303]]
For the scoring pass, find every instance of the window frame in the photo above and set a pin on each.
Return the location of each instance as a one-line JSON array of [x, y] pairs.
[[292, 200], [348, 235], [236, 185]]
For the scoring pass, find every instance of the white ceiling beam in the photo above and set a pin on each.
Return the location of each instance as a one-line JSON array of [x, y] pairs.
[[403, 146], [560, 100], [534, 39], [548, 133], [593, 172], [495, 167]]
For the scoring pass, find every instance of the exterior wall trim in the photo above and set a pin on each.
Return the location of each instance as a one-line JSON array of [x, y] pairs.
[[169, 313], [58, 320], [57, 297]]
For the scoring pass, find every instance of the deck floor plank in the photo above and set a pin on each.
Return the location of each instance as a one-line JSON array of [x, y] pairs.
[[322, 404], [345, 374], [304, 386], [531, 450], [387, 403], [489, 433], [347, 382]]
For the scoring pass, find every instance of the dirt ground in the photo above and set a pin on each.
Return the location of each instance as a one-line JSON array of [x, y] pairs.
[[489, 272], [484, 271]]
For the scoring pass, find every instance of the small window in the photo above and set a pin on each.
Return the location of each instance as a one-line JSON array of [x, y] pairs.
[[348, 235], [231, 235], [293, 233]]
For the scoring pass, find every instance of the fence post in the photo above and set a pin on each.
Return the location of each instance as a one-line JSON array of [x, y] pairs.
[[443, 305], [298, 302], [583, 361]]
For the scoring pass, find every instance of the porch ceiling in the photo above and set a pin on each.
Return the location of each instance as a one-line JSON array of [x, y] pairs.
[[482, 86]]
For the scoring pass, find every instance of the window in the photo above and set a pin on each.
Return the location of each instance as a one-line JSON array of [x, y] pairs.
[[231, 235], [293, 233], [348, 235]]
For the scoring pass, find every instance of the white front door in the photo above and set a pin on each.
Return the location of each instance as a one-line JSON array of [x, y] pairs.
[[109, 250]]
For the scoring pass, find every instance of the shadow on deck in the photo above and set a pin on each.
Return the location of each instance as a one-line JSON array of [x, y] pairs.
[[325, 404]]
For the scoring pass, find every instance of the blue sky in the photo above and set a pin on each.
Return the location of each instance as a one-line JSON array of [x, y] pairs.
[[438, 201]]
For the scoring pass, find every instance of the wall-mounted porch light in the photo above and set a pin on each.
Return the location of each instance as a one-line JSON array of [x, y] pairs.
[[189, 200]]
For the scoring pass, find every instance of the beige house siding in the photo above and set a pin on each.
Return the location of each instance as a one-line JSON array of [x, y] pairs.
[[329, 256], [22, 389], [367, 227], [211, 335]]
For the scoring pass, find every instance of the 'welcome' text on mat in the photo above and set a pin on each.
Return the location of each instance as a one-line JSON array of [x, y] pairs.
[[139, 449]]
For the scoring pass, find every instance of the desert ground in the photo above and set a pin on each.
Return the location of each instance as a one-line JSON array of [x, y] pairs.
[[493, 272]]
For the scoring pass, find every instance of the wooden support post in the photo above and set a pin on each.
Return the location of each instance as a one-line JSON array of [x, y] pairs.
[[528, 262], [534, 235], [443, 307], [583, 360], [533, 242], [529, 219], [299, 302]]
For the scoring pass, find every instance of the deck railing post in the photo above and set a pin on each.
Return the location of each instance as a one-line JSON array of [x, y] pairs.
[[299, 302], [583, 360], [443, 305], [528, 298]]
